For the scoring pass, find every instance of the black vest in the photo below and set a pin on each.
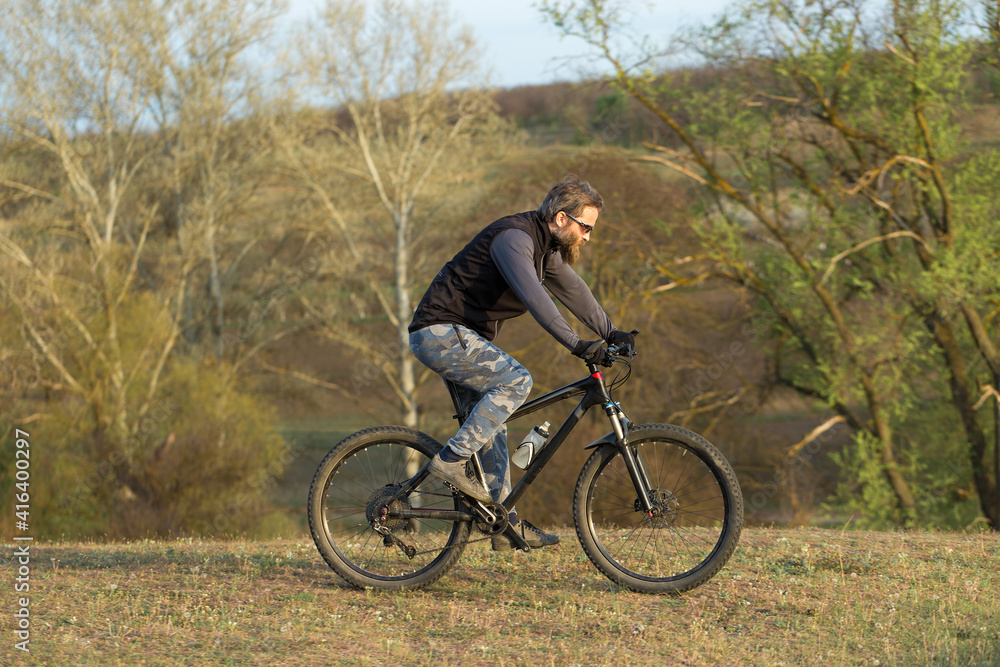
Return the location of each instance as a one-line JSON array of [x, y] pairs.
[[470, 290]]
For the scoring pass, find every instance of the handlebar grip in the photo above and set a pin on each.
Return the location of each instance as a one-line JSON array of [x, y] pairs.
[[591, 349]]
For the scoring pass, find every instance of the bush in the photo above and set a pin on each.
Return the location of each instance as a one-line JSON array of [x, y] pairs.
[[201, 462]]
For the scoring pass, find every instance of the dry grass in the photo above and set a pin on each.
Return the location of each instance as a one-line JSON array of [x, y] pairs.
[[787, 597]]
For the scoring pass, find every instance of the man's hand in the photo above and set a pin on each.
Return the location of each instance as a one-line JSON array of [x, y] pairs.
[[591, 351], [618, 337]]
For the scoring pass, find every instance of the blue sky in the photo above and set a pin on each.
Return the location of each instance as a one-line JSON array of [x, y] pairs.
[[520, 48]]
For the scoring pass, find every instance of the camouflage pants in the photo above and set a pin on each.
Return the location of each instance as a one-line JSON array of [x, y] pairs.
[[486, 375]]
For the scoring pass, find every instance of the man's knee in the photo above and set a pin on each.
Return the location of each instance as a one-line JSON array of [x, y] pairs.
[[514, 385], [522, 383]]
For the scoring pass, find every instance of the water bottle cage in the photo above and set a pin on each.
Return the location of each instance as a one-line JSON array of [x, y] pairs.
[[523, 455], [532, 443]]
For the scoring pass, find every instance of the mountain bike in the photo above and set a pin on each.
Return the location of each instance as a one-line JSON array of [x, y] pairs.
[[657, 508]]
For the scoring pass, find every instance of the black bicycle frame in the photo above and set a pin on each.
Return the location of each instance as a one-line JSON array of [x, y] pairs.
[[595, 392]]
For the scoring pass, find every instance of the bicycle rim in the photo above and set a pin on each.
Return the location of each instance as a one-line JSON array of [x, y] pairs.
[[352, 486], [697, 513]]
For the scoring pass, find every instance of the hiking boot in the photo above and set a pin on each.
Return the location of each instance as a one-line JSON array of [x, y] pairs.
[[456, 474], [533, 536]]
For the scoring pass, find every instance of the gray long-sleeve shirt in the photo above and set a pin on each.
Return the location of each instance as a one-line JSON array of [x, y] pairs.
[[513, 252]]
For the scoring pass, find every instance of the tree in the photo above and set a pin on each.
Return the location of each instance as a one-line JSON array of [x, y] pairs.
[[839, 192], [407, 116], [96, 309], [213, 116]]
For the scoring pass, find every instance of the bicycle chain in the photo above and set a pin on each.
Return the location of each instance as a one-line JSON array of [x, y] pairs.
[[377, 528], [452, 546], [440, 549]]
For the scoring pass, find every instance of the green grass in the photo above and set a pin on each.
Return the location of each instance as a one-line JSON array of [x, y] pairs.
[[787, 597]]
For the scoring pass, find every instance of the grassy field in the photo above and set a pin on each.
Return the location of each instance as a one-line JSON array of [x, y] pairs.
[[787, 597]]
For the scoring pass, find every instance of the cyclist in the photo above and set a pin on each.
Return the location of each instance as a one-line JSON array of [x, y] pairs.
[[499, 275]]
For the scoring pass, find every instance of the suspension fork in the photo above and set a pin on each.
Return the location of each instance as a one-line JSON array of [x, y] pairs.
[[641, 467], [640, 479], [637, 472], [630, 450], [633, 460]]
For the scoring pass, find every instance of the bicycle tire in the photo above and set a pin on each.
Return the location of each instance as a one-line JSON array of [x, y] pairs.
[[698, 520], [352, 478]]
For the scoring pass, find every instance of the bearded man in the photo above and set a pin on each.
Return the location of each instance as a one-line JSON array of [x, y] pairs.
[[503, 272]]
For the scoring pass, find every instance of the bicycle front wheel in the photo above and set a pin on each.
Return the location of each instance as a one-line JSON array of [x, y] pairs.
[[354, 482], [696, 519]]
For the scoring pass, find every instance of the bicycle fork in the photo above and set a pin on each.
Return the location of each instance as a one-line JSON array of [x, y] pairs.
[[633, 459]]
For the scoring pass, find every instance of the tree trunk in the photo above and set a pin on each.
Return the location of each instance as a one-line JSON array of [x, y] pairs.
[[404, 313], [891, 467], [995, 518], [215, 286], [965, 404]]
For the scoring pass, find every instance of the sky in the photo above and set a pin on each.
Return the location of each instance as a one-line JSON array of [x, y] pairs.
[[520, 48]]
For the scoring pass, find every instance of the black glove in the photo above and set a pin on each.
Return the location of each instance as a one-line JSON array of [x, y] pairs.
[[618, 337], [591, 351]]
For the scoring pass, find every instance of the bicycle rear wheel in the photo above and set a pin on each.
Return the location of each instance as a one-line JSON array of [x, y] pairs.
[[350, 487], [697, 515]]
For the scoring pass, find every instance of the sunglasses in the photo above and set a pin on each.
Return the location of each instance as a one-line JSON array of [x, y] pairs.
[[586, 228]]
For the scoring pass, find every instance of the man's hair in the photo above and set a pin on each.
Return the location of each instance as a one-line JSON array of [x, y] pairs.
[[571, 195]]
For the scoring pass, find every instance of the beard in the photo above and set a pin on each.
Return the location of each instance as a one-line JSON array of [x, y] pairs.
[[567, 245]]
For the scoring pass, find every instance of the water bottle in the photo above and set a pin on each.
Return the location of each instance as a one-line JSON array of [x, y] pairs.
[[533, 442]]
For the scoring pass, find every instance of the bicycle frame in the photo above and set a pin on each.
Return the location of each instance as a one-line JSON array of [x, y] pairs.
[[595, 393]]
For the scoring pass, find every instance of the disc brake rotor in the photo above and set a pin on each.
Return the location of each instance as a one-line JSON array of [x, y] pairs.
[[664, 511]]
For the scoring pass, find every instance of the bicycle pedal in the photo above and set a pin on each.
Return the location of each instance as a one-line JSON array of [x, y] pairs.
[[519, 543]]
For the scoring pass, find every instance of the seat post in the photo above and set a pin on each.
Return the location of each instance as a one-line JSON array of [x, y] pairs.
[[461, 410], [461, 414]]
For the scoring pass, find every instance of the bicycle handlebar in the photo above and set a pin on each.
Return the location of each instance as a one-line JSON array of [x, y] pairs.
[[619, 350]]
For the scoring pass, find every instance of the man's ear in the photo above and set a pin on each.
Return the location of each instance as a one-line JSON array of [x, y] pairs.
[[559, 221]]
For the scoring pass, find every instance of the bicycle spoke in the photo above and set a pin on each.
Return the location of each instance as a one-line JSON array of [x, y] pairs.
[[361, 538], [685, 525]]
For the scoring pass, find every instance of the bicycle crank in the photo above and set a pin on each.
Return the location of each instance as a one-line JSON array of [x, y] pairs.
[[491, 517]]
